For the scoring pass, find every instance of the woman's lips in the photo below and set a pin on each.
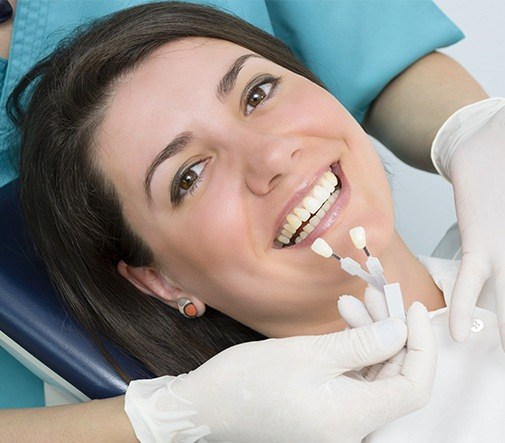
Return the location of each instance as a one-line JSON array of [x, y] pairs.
[[324, 222]]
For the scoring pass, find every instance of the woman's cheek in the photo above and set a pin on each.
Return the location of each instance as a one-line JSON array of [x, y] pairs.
[[308, 111]]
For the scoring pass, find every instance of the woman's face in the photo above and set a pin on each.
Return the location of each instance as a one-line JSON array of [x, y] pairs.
[[211, 148]]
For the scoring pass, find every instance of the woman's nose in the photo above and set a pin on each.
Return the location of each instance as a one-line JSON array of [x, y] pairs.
[[267, 159]]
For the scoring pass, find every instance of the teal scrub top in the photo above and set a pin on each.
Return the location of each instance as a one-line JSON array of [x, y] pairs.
[[356, 47]]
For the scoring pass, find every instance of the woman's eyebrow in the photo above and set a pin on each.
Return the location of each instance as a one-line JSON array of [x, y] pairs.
[[228, 81], [173, 148]]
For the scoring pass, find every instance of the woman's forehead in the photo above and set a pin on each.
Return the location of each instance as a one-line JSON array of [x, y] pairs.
[[182, 67], [210, 49]]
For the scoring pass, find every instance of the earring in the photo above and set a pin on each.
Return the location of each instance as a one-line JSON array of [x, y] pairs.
[[187, 308]]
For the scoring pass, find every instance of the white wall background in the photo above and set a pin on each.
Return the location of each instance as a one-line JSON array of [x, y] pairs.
[[424, 202]]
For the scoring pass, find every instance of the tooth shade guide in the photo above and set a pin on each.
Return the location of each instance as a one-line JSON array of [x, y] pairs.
[[319, 246], [394, 300], [336, 256], [358, 237]]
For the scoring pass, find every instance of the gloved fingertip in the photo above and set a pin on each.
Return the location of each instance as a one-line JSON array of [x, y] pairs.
[[348, 303], [459, 327], [392, 332], [372, 290], [419, 307], [344, 298]]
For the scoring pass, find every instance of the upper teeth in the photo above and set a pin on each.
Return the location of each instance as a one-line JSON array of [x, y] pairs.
[[322, 196]]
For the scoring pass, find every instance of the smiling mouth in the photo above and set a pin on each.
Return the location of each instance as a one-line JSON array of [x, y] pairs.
[[305, 217]]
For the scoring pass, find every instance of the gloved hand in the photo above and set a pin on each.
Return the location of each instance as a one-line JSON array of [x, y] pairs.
[[296, 389], [469, 150], [357, 314]]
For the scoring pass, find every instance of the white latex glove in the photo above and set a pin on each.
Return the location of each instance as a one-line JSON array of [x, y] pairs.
[[299, 389], [469, 150], [357, 314]]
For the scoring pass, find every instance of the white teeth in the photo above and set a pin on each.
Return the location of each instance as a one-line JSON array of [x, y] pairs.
[[327, 185], [308, 228], [283, 239], [314, 221], [302, 213], [294, 221], [320, 193], [334, 196], [332, 178], [289, 228], [315, 206], [311, 204], [286, 233], [327, 205]]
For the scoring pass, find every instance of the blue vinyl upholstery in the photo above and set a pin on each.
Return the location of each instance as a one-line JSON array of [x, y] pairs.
[[32, 315]]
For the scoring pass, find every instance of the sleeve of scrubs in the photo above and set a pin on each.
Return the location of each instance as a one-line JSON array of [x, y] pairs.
[[357, 46]]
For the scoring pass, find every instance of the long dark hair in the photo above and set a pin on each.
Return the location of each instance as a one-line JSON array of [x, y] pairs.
[[73, 211]]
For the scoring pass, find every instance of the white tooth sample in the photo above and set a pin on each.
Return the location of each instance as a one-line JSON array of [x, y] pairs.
[[320, 193], [294, 221], [303, 235], [302, 213], [314, 221], [327, 185], [311, 204], [308, 228], [283, 239], [358, 236], [298, 240], [286, 233], [327, 205], [321, 247], [289, 228]]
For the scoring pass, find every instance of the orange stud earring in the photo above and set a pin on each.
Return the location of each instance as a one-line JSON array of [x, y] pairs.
[[187, 308]]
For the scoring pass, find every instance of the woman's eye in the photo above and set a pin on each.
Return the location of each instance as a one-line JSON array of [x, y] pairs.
[[187, 181], [189, 177], [259, 92]]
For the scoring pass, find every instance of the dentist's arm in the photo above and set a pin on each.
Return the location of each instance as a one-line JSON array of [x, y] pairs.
[[410, 110], [95, 421]]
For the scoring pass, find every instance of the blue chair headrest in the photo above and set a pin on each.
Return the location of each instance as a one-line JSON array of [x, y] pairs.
[[33, 316]]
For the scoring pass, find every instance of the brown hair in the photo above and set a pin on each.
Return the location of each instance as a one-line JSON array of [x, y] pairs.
[[74, 213]]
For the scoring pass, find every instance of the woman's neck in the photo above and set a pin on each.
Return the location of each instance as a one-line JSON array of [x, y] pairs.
[[400, 265]]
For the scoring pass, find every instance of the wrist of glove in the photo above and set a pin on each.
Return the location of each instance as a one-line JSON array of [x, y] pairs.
[[295, 389], [459, 127], [158, 414]]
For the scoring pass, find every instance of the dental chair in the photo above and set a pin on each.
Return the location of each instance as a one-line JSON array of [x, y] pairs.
[[36, 329]]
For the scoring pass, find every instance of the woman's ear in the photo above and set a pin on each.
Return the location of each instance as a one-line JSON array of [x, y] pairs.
[[151, 281]]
